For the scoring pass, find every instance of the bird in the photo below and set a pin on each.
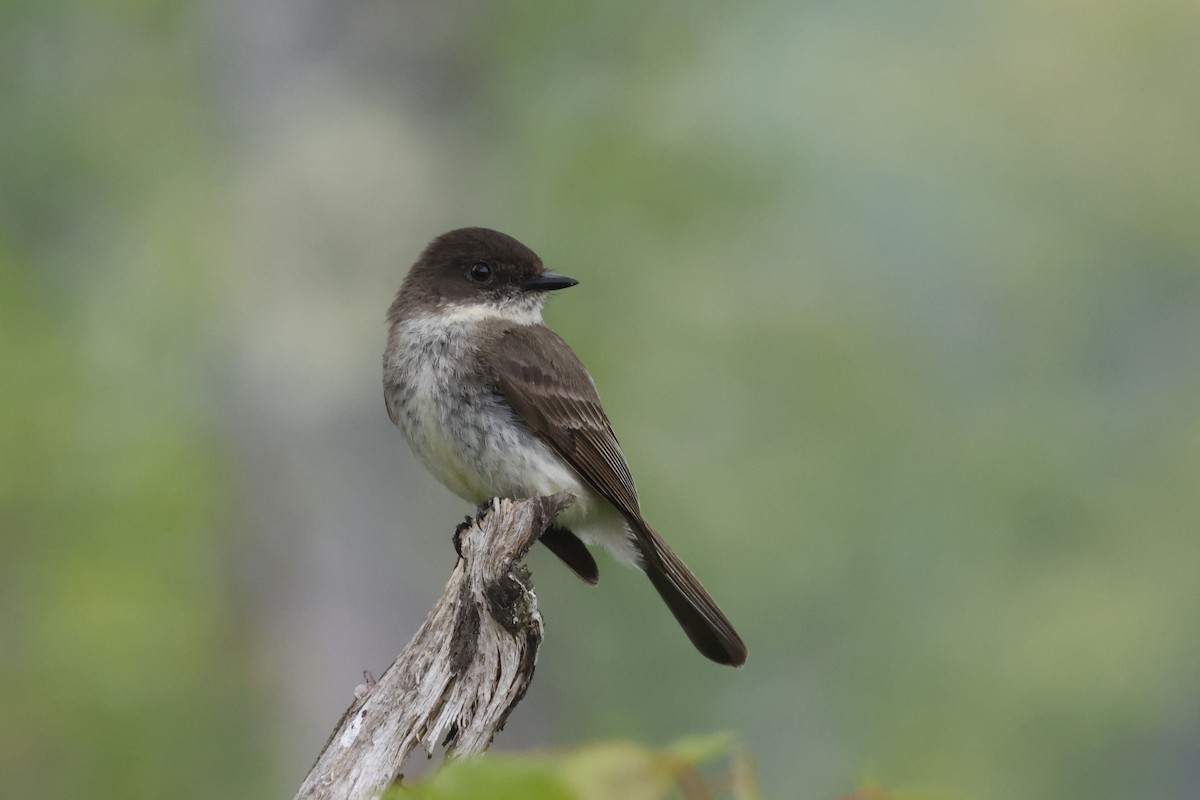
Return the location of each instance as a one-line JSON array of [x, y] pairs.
[[494, 403]]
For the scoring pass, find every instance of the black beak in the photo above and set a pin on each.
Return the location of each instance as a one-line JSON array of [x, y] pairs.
[[546, 282]]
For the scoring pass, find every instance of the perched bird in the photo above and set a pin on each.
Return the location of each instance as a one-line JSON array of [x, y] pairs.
[[495, 404]]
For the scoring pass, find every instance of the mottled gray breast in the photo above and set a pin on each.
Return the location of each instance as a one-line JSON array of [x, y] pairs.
[[464, 432]]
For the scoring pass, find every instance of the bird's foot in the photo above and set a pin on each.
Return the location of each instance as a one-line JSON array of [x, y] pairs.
[[462, 528]]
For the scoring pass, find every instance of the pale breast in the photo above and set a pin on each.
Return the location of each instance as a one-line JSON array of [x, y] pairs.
[[423, 381], [470, 439], [462, 431]]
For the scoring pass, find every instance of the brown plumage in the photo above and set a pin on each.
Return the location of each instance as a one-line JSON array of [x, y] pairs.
[[495, 403], [550, 389]]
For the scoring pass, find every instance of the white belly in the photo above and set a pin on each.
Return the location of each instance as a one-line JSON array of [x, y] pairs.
[[472, 441]]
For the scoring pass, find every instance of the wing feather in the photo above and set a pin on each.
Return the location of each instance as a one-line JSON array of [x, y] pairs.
[[548, 387]]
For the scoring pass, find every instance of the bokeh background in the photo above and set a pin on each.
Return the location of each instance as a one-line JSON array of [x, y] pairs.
[[895, 307]]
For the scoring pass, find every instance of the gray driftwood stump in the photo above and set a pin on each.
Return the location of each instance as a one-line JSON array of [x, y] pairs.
[[463, 672]]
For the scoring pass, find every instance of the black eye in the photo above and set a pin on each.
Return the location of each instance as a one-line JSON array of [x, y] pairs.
[[481, 272]]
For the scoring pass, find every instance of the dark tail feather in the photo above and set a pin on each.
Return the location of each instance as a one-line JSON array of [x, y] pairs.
[[573, 552], [697, 613]]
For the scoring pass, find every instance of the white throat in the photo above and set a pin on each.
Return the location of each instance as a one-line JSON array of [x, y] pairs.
[[519, 314]]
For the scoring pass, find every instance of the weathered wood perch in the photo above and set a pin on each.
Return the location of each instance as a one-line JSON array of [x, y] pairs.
[[466, 668]]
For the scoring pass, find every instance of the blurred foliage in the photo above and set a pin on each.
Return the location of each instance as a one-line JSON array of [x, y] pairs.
[[895, 307], [699, 768], [123, 672], [706, 768]]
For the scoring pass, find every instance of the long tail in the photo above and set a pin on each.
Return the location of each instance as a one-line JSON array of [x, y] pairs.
[[697, 613]]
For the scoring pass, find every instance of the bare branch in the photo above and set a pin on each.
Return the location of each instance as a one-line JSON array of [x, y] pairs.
[[463, 672]]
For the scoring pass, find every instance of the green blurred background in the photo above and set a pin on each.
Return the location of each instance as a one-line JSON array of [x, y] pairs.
[[895, 307]]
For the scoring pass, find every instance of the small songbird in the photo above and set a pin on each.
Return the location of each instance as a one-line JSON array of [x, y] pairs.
[[495, 404]]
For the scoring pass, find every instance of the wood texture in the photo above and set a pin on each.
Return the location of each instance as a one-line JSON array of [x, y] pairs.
[[464, 671]]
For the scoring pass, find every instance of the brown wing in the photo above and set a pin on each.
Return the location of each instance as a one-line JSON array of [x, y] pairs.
[[549, 388]]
